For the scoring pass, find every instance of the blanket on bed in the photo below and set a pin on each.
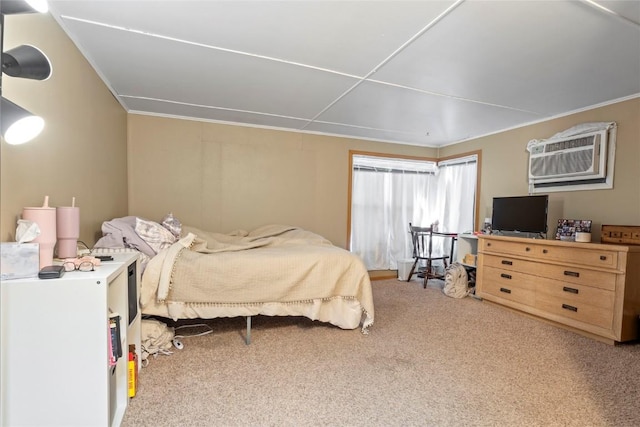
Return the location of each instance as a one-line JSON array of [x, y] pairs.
[[274, 263]]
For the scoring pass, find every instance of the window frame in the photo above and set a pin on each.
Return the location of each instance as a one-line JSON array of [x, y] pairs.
[[353, 153]]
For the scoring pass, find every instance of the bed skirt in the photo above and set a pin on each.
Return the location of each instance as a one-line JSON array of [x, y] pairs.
[[345, 313]]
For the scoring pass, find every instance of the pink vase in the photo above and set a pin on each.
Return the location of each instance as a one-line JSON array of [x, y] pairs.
[[68, 231], [45, 217]]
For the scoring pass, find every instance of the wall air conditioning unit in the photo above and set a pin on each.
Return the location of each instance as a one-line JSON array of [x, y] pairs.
[[569, 159], [564, 162]]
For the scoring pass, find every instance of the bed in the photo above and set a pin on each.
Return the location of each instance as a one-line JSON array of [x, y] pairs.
[[274, 270]]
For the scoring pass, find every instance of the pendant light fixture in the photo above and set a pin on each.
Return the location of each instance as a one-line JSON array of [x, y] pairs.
[[28, 62], [12, 7], [19, 125]]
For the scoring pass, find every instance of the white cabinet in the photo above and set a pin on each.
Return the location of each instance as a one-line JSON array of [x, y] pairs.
[[55, 341], [466, 254]]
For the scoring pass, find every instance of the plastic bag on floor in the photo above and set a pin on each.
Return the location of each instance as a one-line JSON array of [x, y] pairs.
[[156, 338]]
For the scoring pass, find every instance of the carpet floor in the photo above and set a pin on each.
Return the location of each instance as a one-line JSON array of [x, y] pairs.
[[429, 360]]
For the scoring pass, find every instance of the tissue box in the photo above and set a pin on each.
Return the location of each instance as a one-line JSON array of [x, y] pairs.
[[19, 260]]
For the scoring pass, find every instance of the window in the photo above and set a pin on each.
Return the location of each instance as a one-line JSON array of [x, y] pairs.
[[389, 193]]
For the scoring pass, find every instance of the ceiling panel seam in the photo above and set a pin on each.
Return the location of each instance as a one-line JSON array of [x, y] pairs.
[[207, 46], [601, 8], [212, 107], [458, 98], [258, 126], [389, 57], [265, 114]]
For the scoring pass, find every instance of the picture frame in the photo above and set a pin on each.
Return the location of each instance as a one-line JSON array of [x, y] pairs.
[[567, 228]]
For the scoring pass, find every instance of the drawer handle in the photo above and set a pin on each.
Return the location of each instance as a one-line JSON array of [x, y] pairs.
[[570, 307], [572, 273], [603, 258], [570, 290], [544, 251], [505, 262], [527, 249], [505, 276], [505, 290]]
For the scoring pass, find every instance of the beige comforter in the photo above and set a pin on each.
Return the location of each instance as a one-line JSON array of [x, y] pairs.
[[273, 270]]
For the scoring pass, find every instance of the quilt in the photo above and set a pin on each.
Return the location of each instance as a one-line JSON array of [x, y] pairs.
[[275, 270]]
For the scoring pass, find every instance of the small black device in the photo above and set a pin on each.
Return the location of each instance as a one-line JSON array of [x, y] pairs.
[[51, 272], [104, 257]]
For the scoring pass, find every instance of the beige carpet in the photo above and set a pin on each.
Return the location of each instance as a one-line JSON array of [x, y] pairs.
[[429, 360]]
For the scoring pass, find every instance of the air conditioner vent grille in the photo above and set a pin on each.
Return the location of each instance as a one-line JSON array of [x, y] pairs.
[[570, 143], [562, 163]]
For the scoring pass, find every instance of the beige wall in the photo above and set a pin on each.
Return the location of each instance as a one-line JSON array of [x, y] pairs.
[[222, 177], [505, 162], [82, 151]]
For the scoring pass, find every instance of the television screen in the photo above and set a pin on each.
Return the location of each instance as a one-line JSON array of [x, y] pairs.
[[526, 214]]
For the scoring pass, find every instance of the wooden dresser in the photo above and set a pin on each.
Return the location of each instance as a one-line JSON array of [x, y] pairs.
[[590, 288]]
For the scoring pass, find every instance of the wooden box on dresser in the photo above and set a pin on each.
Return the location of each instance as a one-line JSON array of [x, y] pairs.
[[590, 288], [54, 354]]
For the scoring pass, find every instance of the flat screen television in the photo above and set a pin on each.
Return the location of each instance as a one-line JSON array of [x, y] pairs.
[[524, 214]]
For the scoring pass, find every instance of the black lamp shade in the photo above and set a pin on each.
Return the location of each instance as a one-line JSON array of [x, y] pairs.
[[11, 7], [17, 124], [27, 62]]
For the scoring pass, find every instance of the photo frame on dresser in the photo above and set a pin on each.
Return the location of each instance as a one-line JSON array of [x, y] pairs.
[[567, 228]]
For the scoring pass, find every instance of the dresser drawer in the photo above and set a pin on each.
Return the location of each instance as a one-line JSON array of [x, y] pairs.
[[537, 249], [591, 257], [510, 285], [576, 295], [581, 312], [514, 248], [568, 274]]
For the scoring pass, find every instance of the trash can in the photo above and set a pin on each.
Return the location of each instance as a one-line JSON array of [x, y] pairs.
[[404, 268]]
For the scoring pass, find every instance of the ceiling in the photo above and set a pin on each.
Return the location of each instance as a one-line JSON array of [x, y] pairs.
[[428, 73]]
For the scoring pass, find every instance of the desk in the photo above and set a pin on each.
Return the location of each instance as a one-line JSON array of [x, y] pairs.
[[453, 237], [422, 250]]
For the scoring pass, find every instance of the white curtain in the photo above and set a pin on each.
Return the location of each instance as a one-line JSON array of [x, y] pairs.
[[456, 194], [388, 194]]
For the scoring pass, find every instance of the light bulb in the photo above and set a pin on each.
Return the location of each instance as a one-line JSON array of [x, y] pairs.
[[24, 130], [39, 5]]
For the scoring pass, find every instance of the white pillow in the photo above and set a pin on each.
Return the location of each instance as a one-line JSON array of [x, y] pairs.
[[154, 234], [172, 224]]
